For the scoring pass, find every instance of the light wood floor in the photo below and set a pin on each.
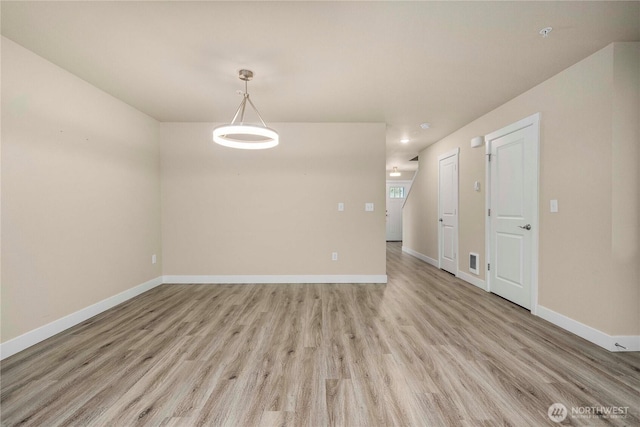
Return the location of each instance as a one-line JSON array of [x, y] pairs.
[[425, 349]]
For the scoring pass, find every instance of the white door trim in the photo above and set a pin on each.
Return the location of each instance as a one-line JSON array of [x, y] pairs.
[[454, 152], [534, 122]]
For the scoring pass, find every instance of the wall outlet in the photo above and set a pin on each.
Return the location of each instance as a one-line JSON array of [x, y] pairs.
[[154, 259], [334, 256], [368, 207]]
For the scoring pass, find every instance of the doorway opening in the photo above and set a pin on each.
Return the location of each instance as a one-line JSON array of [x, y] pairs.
[[396, 195]]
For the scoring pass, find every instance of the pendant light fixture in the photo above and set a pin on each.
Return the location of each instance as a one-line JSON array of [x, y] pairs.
[[238, 134], [395, 172]]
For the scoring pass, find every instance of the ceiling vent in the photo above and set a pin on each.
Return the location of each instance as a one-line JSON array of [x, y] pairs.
[[415, 159]]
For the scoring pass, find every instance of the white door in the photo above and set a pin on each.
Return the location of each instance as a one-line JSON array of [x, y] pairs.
[[396, 194], [513, 203], [448, 211]]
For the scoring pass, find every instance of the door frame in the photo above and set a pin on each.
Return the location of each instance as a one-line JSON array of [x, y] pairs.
[[455, 152], [534, 122]]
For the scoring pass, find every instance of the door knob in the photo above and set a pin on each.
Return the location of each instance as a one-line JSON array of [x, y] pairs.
[[440, 220], [526, 227]]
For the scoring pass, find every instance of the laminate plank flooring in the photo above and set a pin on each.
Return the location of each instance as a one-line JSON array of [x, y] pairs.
[[426, 349]]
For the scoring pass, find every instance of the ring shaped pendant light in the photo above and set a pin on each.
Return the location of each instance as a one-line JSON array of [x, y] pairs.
[[237, 134]]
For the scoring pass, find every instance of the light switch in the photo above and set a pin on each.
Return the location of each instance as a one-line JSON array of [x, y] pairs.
[[476, 186], [368, 207], [340, 206], [553, 205]]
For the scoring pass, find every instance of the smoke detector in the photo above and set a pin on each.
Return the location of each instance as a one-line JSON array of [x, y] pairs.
[[545, 32]]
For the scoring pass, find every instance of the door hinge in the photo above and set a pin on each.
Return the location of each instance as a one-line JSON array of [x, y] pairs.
[[488, 267], [489, 156], [488, 212]]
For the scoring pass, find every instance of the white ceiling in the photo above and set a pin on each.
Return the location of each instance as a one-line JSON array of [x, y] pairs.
[[402, 63]]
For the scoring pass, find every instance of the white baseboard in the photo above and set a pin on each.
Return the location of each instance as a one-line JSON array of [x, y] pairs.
[[37, 335], [248, 279], [476, 281], [420, 256], [15, 345], [628, 342]]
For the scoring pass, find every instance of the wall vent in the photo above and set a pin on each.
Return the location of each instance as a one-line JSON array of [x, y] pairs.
[[474, 262]]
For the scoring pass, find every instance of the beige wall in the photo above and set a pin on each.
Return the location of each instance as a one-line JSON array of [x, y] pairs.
[[625, 196], [80, 193], [589, 138], [274, 212]]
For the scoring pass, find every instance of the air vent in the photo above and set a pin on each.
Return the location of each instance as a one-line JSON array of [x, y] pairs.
[[473, 263], [415, 159]]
